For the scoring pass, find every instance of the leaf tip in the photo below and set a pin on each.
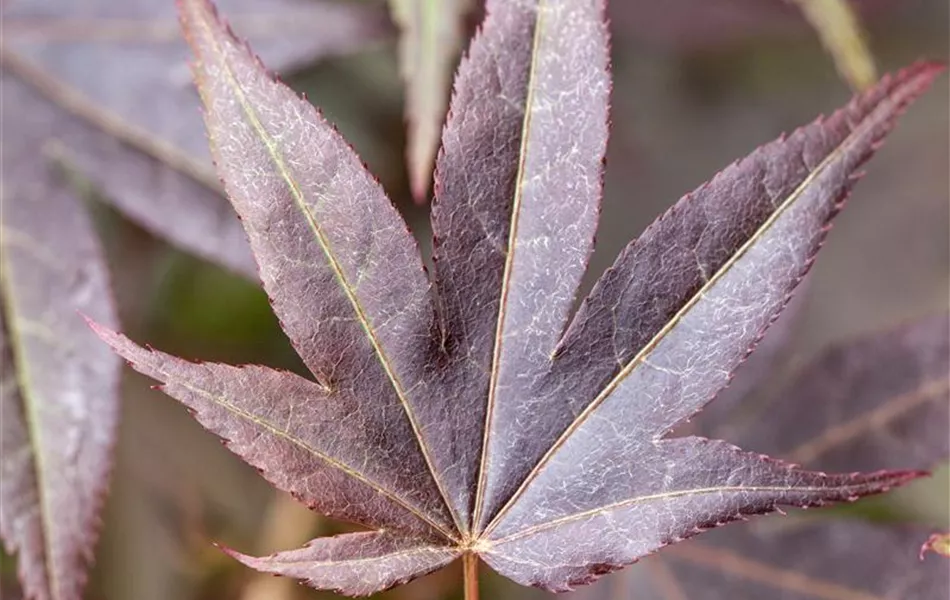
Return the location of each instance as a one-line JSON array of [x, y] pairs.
[[916, 78], [105, 333], [246, 560], [938, 543], [420, 180], [887, 480]]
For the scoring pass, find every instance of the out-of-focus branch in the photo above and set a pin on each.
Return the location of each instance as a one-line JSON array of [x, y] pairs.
[[287, 525], [841, 33]]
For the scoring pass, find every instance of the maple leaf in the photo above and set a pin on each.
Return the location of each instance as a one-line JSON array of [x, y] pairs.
[[114, 87], [58, 390], [467, 417], [881, 400]]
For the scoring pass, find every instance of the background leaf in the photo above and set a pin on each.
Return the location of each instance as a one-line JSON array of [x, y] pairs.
[[59, 401], [814, 559], [882, 400], [841, 33], [117, 77], [432, 36], [694, 25]]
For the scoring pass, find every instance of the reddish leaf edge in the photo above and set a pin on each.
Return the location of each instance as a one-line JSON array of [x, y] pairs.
[[925, 72], [887, 480], [258, 564], [938, 543], [102, 492], [211, 9]]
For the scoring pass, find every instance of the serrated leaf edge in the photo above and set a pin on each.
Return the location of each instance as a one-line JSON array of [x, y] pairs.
[[896, 479], [114, 340], [208, 10], [887, 104], [509, 264]]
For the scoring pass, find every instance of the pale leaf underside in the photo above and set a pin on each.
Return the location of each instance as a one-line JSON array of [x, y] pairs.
[[114, 87], [483, 421], [58, 393], [430, 41]]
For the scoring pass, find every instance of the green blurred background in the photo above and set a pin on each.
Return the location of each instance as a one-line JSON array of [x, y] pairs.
[[694, 89]]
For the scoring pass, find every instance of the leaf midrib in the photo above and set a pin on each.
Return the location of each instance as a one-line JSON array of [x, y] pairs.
[[835, 436], [31, 416], [781, 578], [435, 550], [769, 489], [869, 120], [509, 265], [338, 273]]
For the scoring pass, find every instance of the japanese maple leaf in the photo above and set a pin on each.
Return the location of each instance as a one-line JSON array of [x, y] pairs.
[[471, 416], [429, 45]]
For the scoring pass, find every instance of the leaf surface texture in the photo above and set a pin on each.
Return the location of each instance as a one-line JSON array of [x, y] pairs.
[[113, 78], [431, 37], [58, 394], [880, 400], [487, 419]]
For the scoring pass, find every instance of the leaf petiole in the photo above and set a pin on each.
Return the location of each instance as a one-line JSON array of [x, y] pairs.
[[470, 575]]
